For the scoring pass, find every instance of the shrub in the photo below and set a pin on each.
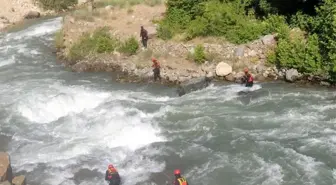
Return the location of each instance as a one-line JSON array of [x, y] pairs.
[[198, 55], [99, 41], [57, 5], [130, 46], [298, 53], [59, 43]]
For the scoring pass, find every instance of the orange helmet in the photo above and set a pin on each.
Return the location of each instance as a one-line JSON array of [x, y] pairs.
[[110, 166], [153, 59], [245, 70], [177, 172]]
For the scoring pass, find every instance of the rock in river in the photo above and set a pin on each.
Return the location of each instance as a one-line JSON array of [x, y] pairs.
[[193, 85]]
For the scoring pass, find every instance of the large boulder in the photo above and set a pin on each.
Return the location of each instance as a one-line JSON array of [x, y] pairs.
[[193, 85], [32, 15], [19, 180], [5, 167], [292, 75], [223, 69]]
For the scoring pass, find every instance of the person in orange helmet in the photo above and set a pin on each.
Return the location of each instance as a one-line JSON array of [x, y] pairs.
[[248, 78], [112, 175], [179, 180], [156, 70]]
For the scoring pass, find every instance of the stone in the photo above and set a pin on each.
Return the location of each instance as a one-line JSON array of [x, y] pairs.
[[109, 7], [325, 83], [239, 76], [252, 53], [210, 74], [268, 40], [223, 69], [260, 68], [188, 86], [32, 15], [259, 77], [239, 52], [291, 75], [19, 180], [229, 77], [5, 167]]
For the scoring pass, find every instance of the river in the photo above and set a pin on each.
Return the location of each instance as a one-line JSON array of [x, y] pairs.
[[64, 128]]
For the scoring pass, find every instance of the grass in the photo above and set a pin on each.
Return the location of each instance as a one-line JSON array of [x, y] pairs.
[[99, 42]]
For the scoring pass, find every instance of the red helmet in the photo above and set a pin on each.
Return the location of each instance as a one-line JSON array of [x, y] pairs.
[[245, 70], [177, 172], [153, 59], [110, 166]]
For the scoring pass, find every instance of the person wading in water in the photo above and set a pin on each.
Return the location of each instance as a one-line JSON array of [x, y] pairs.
[[112, 175], [156, 69]]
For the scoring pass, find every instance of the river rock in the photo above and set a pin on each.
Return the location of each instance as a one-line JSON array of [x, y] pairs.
[[239, 52], [193, 85], [223, 69], [230, 77], [292, 75], [268, 40], [19, 180], [32, 15], [5, 167]]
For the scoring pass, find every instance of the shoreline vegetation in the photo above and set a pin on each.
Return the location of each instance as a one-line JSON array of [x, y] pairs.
[[191, 39]]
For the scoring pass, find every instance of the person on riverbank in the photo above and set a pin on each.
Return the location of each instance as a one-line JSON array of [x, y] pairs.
[[112, 175], [156, 70], [179, 180], [248, 78], [144, 36]]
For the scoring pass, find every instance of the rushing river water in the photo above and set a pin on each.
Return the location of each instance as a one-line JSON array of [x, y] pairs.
[[64, 128]]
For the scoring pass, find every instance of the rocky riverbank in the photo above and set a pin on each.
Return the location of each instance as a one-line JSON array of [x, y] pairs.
[[225, 61], [6, 174]]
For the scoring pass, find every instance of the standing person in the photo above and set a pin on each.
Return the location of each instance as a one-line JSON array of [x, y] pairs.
[[179, 180], [156, 69], [112, 175], [144, 36], [248, 78]]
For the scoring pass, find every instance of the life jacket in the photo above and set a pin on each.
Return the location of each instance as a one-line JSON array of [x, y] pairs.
[[110, 172], [250, 79], [182, 181]]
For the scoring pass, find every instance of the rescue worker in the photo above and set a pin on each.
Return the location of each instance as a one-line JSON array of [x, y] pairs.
[[248, 78], [144, 36], [156, 69], [179, 180], [112, 175]]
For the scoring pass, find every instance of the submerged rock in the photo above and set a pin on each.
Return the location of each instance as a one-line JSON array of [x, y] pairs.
[[32, 15], [193, 85]]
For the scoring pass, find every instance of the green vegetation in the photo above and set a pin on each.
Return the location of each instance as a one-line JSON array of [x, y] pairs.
[[100, 41], [311, 49], [198, 55], [57, 5]]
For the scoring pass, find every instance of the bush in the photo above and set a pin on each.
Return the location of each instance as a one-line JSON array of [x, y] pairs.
[[198, 55], [130, 46], [57, 5], [59, 43], [99, 41], [299, 53]]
